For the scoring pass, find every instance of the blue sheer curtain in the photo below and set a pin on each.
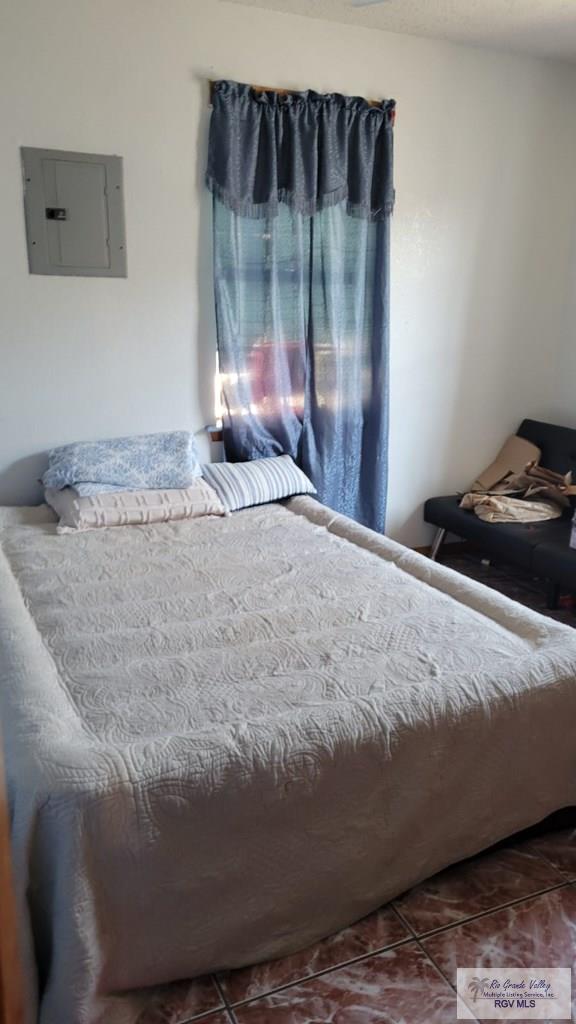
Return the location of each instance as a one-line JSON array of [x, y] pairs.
[[302, 287]]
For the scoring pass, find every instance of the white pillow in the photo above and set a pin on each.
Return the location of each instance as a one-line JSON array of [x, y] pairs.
[[132, 508]]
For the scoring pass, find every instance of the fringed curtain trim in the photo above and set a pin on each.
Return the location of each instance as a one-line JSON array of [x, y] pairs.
[[306, 150]]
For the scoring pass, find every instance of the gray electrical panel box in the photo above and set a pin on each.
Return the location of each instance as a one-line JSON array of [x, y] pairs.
[[74, 206]]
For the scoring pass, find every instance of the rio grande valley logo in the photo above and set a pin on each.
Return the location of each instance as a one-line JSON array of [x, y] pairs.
[[538, 993]]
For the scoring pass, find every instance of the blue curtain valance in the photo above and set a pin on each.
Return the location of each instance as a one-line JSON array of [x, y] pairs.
[[307, 150]]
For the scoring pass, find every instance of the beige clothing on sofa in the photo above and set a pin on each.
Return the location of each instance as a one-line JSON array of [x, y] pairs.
[[500, 508]]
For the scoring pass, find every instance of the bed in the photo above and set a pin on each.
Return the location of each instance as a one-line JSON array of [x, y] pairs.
[[228, 738]]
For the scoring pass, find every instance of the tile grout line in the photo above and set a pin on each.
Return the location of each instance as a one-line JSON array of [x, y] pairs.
[[228, 1006], [220, 988], [429, 957], [206, 1014], [439, 971], [403, 920], [320, 974], [484, 913], [412, 936]]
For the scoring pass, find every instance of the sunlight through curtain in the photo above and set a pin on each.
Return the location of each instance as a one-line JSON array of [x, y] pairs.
[[302, 196]]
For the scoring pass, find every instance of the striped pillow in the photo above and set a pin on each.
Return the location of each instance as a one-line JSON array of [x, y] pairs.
[[240, 484]]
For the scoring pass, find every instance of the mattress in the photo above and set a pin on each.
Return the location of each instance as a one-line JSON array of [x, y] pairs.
[[228, 738]]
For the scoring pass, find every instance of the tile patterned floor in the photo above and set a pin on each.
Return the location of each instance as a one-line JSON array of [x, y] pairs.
[[512, 906]]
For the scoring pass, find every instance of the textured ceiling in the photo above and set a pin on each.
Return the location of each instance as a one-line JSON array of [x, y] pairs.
[[545, 28]]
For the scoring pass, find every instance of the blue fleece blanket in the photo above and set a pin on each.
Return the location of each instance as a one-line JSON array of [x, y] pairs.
[[167, 460]]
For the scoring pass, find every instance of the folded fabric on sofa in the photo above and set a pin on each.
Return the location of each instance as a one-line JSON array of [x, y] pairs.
[[501, 508], [164, 460]]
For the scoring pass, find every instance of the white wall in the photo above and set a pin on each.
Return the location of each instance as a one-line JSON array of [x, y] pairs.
[[486, 148], [564, 380]]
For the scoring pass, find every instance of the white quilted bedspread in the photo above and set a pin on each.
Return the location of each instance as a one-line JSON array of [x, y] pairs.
[[227, 738]]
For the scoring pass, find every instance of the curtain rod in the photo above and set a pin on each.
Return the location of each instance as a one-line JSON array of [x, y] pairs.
[[280, 92]]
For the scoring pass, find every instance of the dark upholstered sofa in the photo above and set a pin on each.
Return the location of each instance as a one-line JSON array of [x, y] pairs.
[[540, 548]]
